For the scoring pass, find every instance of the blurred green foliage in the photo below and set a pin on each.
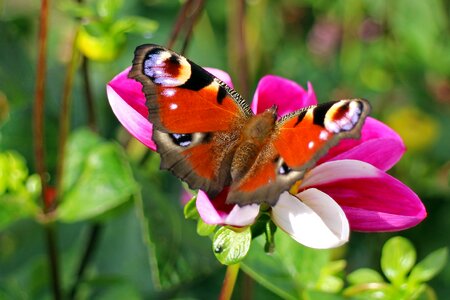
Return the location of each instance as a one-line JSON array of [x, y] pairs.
[[394, 53]]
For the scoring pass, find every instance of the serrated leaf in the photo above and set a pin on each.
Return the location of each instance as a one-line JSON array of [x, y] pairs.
[[364, 275], [102, 181], [397, 259], [431, 265], [231, 246]]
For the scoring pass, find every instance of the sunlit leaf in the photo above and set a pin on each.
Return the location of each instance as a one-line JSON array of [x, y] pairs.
[[76, 9], [431, 265], [134, 24], [231, 246], [397, 258], [364, 275], [108, 8], [18, 191], [204, 229]]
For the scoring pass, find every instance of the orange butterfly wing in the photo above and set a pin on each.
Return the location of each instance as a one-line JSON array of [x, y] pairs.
[[196, 117], [300, 139], [181, 96]]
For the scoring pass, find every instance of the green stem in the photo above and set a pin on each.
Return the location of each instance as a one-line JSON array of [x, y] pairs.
[[64, 117], [229, 282], [90, 107]]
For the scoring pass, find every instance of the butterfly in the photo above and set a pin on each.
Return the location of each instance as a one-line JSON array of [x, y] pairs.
[[207, 135]]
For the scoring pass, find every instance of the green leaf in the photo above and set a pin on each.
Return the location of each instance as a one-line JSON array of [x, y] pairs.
[[13, 171], [108, 8], [18, 191], [291, 269], [318, 295], [176, 253], [190, 209], [98, 44], [204, 229], [76, 9], [231, 246], [80, 144], [102, 182], [134, 24], [397, 258], [431, 265], [364, 275]]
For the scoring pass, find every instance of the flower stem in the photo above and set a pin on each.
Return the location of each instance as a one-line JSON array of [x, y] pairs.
[[229, 282], [92, 121], [188, 16], [52, 251], [39, 102], [39, 148], [64, 116], [237, 45], [93, 239]]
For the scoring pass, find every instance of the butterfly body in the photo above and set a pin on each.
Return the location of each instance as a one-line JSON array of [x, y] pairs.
[[207, 135]]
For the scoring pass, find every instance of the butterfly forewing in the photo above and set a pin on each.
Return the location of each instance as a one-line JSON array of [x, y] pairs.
[[196, 117], [183, 97]]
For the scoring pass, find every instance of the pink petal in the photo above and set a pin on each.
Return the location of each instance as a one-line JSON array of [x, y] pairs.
[[217, 212], [285, 93], [379, 146], [131, 119], [371, 199], [130, 91]]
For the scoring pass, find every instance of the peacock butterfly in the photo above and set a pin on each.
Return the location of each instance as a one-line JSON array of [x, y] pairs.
[[207, 135]]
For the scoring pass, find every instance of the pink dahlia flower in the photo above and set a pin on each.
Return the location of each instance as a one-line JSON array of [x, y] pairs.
[[347, 190]]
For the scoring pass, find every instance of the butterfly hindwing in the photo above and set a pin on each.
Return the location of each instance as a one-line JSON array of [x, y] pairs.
[[196, 117], [299, 140]]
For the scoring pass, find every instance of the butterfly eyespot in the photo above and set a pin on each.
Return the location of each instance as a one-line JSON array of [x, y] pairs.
[[284, 169], [181, 139]]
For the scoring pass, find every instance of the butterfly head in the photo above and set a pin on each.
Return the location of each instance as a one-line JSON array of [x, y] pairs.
[[273, 110]]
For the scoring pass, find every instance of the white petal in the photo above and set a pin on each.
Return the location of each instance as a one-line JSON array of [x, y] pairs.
[[316, 220], [337, 170], [242, 216]]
